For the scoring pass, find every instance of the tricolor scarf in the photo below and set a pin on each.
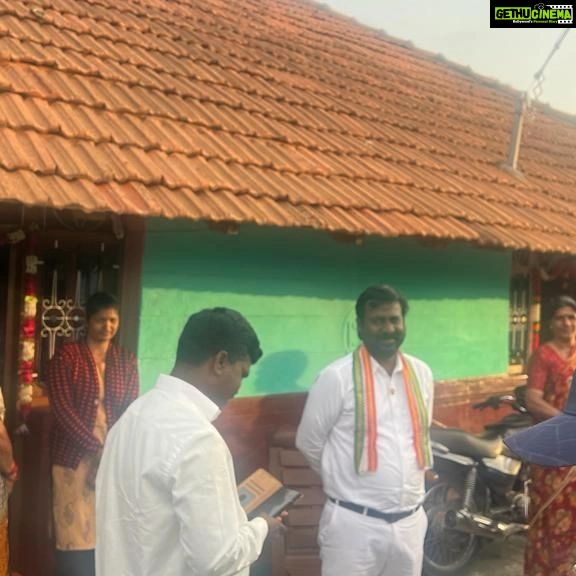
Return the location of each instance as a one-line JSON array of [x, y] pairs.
[[366, 433]]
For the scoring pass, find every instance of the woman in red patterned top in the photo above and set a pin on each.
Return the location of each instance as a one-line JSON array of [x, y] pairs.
[[90, 384], [552, 537]]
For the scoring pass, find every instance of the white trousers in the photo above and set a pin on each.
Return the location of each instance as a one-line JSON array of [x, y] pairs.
[[352, 544]]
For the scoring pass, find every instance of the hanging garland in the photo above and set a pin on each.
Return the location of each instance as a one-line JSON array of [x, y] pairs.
[[28, 338], [26, 363]]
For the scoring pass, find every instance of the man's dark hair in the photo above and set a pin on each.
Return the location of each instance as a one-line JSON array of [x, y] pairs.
[[375, 296], [560, 302], [214, 330], [100, 301]]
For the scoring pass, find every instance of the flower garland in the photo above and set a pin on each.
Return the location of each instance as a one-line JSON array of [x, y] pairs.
[[26, 367], [26, 362]]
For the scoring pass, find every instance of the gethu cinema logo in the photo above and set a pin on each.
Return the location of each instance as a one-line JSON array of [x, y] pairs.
[[536, 13]]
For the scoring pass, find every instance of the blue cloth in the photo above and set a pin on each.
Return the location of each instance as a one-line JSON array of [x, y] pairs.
[[552, 442]]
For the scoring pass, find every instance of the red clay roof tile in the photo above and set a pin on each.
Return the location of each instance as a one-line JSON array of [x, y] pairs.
[[277, 112]]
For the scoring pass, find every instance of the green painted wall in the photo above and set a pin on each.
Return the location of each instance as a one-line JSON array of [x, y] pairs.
[[298, 289]]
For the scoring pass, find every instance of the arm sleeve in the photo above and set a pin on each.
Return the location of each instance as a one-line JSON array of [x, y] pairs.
[[59, 389], [216, 536], [322, 410], [537, 371], [132, 382]]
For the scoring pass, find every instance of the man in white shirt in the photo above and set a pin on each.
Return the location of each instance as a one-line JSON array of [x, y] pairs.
[[166, 498], [365, 431]]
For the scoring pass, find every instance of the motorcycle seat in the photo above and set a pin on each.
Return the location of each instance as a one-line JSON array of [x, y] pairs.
[[466, 444]]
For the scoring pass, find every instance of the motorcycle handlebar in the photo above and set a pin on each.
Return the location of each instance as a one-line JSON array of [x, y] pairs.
[[492, 402], [496, 401]]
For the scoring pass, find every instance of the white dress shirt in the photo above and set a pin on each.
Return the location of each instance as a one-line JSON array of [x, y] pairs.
[[166, 498], [326, 436]]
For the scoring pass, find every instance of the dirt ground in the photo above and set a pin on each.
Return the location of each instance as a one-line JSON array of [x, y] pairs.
[[499, 559]]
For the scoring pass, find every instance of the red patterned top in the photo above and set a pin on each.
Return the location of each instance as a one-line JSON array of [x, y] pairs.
[[549, 372], [72, 382], [551, 548]]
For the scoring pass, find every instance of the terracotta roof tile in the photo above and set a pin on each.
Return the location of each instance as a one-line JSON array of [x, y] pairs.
[[277, 112]]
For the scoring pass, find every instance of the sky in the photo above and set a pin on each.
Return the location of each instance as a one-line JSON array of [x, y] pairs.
[[460, 30]]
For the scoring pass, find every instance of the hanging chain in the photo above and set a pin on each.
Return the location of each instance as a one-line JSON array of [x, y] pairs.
[[536, 90]]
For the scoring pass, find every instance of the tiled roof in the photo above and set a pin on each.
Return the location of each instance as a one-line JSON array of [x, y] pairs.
[[276, 112]]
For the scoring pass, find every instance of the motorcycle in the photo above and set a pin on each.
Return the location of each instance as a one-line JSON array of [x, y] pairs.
[[477, 490]]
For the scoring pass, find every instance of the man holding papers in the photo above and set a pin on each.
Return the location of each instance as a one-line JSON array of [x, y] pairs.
[[167, 502]]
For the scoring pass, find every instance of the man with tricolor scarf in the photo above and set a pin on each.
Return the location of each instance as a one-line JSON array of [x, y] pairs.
[[365, 430]]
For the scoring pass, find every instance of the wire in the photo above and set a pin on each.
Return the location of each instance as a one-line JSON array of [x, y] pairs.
[[537, 85]]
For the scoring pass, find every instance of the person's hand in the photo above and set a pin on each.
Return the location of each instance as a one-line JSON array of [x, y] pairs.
[[276, 525], [11, 477]]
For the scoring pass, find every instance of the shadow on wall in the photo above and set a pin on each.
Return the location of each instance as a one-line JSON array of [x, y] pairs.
[[312, 264], [279, 372]]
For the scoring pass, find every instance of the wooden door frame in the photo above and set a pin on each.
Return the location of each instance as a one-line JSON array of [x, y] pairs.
[[130, 292], [30, 536]]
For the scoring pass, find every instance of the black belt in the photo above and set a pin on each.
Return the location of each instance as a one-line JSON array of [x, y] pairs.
[[389, 517]]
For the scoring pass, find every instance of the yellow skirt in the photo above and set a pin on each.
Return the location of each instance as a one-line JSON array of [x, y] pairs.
[[4, 551], [73, 507]]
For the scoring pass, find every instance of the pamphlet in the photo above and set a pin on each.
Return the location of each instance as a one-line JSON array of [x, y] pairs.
[[261, 493]]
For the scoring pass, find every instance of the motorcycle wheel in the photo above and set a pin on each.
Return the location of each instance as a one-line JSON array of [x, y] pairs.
[[446, 551]]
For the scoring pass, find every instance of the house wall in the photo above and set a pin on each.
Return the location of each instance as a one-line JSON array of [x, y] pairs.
[[298, 289]]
